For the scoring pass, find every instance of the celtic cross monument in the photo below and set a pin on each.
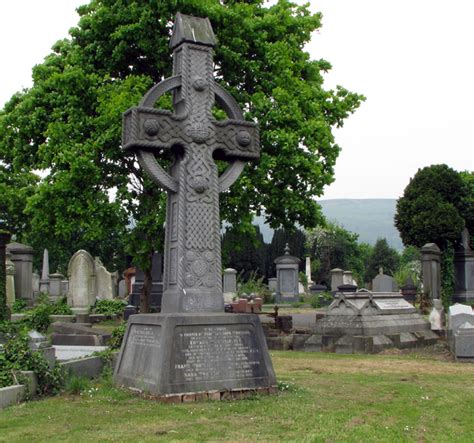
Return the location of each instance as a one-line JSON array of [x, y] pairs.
[[192, 346]]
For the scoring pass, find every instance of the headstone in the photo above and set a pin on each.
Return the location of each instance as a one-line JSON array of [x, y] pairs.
[[104, 286], [347, 278], [192, 346], [229, 284], [431, 270], [337, 278], [44, 282], [56, 286], [22, 258], [464, 272], [35, 283], [272, 284], [436, 317], [10, 280], [287, 267], [64, 287], [4, 238], [384, 283], [156, 287], [115, 281], [464, 342], [82, 282], [122, 289], [458, 315], [308, 271]]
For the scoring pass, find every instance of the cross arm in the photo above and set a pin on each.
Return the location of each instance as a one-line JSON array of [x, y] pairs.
[[238, 139], [149, 129]]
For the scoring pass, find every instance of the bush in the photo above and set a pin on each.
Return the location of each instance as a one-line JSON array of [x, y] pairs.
[[39, 319], [17, 356], [109, 307], [253, 285], [75, 385], [19, 305], [117, 336]]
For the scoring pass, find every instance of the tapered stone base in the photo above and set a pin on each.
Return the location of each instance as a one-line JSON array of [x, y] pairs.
[[194, 353]]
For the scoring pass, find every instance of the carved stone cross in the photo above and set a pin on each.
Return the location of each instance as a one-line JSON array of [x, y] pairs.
[[192, 255]]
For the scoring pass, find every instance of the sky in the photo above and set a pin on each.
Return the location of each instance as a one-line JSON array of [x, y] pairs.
[[412, 59]]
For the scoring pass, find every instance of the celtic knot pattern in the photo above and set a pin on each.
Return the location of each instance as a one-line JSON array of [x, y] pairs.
[[198, 236]]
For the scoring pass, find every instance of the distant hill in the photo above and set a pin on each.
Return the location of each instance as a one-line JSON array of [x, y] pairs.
[[370, 218]]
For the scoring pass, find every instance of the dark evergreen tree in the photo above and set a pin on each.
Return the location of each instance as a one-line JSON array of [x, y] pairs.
[[384, 256]]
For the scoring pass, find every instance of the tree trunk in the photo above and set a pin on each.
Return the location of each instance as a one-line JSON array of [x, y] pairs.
[[146, 292]]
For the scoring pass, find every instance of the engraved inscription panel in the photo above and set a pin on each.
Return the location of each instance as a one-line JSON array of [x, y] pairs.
[[142, 352], [216, 353], [287, 280], [395, 303]]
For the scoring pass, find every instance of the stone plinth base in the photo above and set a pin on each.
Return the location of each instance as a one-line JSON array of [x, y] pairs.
[[191, 354], [465, 297]]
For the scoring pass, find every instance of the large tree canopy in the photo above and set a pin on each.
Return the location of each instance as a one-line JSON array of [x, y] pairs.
[[434, 207], [68, 125]]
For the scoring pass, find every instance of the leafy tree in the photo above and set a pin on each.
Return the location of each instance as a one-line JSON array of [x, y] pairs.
[[436, 206], [433, 207], [69, 123], [384, 256], [334, 247], [245, 253], [468, 201]]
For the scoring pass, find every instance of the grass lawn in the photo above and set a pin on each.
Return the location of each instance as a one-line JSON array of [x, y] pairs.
[[323, 397]]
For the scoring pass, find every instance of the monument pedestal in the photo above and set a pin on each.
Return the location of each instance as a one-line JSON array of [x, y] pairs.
[[194, 353]]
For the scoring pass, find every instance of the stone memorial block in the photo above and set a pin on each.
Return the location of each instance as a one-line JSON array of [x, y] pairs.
[[287, 267], [431, 270], [192, 345], [464, 341], [10, 282], [436, 317], [347, 278], [337, 278], [44, 282], [104, 284], [4, 238], [55, 283], [308, 271], [35, 283], [22, 258], [384, 283], [272, 284], [229, 284], [82, 282], [464, 272], [122, 289], [115, 281]]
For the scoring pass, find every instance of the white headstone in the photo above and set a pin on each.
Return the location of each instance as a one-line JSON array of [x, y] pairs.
[[436, 317], [82, 282], [308, 271], [459, 308], [10, 283], [44, 282], [229, 284]]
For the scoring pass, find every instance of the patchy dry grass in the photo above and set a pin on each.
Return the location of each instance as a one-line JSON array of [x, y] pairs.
[[324, 397]]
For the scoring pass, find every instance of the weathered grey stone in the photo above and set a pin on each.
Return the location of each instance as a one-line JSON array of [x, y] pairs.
[[308, 271], [272, 284], [431, 269], [104, 284], [35, 283], [193, 346], [76, 340], [44, 282], [384, 283], [464, 276], [22, 258], [177, 353], [122, 289], [298, 341], [436, 317], [56, 286], [90, 367], [62, 318], [82, 282], [361, 316], [464, 341], [337, 278], [74, 328], [156, 283], [10, 280], [11, 395], [287, 267], [229, 284], [67, 353]]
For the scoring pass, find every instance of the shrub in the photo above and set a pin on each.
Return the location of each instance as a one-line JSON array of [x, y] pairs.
[[39, 319], [253, 285], [109, 307], [117, 336], [75, 385], [17, 356], [19, 305]]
